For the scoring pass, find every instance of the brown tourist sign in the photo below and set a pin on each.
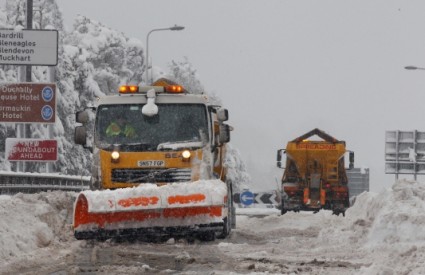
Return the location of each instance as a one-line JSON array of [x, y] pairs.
[[28, 103]]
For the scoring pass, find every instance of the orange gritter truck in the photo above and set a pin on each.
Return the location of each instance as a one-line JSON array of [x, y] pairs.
[[315, 176], [158, 165]]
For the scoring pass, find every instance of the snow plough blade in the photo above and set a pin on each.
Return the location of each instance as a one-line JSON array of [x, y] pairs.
[[176, 209]]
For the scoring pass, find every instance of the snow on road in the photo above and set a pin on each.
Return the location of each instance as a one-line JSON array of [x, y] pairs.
[[381, 234]]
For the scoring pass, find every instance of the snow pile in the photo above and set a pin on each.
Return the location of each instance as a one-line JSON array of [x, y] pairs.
[[30, 222], [393, 223], [381, 233], [397, 215], [202, 193], [157, 197]]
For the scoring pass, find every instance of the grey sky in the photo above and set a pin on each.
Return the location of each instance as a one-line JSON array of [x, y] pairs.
[[283, 68]]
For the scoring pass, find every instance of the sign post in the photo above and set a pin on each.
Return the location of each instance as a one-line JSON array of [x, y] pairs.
[[27, 47]]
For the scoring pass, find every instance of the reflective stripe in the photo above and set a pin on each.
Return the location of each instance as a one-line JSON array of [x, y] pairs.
[[113, 129], [129, 131]]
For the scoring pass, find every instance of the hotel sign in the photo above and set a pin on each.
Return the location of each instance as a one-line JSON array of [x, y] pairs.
[[28, 103]]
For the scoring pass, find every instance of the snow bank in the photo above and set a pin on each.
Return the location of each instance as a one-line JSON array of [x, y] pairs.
[[33, 221], [392, 222], [156, 197], [382, 232]]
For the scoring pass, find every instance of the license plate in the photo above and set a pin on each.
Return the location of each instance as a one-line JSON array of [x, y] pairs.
[[151, 163]]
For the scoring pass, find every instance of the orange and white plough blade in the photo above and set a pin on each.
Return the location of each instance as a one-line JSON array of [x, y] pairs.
[[193, 205]]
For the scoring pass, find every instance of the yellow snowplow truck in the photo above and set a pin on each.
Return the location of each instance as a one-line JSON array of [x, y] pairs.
[[158, 168], [315, 175]]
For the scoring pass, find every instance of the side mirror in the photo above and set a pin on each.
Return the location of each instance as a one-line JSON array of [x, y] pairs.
[[351, 157], [80, 135], [222, 114], [224, 136], [82, 117], [280, 152]]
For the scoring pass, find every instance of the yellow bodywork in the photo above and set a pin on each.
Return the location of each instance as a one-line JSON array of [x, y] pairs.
[[317, 157], [130, 160], [315, 175]]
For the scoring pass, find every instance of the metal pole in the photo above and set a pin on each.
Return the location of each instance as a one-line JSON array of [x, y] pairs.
[[20, 127], [174, 28], [26, 128], [52, 71], [147, 58], [29, 26]]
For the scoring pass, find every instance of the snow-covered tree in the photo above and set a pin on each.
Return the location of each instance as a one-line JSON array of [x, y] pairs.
[[96, 60], [7, 74], [93, 61], [183, 73], [236, 169], [47, 13]]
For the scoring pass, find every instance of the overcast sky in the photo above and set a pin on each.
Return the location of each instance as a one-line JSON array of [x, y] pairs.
[[283, 68]]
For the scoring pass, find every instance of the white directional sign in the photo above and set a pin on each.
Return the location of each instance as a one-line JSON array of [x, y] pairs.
[[266, 198], [29, 47], [248, 198], [405, 152]]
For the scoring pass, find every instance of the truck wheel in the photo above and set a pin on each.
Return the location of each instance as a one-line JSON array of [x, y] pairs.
[[282, 208], [227, 221], [233, 223], [94, 184], [226, 229], [207, 236]]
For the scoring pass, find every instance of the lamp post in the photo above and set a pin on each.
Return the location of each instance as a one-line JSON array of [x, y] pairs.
[[174, 28], [413, 68]]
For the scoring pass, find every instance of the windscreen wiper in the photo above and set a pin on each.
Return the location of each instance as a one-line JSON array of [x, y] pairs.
[[175, 145]]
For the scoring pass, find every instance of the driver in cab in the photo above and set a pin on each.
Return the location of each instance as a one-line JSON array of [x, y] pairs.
[[120, 128]]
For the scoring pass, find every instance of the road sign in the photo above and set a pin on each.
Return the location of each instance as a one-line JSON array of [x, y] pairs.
[[29, 47], [28, 103], [35, 150], [266, 198], [247, 198], [261, 198]]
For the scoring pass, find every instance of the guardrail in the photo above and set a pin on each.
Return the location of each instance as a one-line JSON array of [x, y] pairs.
[[14, 182]]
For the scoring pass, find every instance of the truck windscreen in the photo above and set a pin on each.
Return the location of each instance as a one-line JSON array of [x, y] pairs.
[[125, 124]]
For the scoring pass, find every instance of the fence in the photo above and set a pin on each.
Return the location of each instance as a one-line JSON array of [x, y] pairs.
[[13, 182]]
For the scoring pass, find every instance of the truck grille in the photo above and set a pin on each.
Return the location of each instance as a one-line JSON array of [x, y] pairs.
[[151, 175]]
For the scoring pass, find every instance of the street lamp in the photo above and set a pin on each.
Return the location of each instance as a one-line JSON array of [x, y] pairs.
[[413, 68], [174, 28]]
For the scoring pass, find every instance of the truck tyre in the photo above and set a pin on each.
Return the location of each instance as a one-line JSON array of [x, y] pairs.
[[226, 228], [94, 184], [228, 221], [233, 216], [282, 208], [207, 236]]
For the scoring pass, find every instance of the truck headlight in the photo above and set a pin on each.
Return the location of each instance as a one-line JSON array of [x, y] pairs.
[[115, 156], [186, 155]]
